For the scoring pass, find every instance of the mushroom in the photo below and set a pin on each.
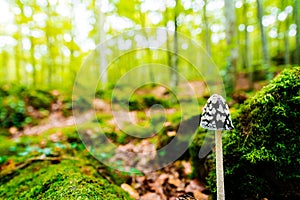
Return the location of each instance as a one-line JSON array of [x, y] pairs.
[[216, 117]]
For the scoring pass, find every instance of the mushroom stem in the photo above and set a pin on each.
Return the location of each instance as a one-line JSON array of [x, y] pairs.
[[219, 166]]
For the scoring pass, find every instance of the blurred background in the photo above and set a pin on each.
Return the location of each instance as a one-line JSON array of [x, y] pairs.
[[43, 42]]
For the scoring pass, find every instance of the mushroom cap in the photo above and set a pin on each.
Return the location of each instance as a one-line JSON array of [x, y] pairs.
[[216, 114]]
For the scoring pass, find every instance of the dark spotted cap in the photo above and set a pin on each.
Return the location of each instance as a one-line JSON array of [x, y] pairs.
[[216, 114]]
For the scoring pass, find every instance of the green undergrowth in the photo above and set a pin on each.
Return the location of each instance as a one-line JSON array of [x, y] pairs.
[[20, 105]]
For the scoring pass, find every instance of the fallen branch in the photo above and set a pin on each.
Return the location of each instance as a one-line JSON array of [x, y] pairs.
[[28, 162]]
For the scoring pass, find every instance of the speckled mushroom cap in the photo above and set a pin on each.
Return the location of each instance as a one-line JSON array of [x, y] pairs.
[[216, 114]]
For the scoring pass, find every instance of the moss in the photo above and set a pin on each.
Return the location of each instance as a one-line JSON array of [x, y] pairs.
[[40, 99], [201, 166], [75, 177], [70, 179], [261, 156]]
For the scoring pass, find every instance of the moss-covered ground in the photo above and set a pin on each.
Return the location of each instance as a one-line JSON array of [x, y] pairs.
[[52, 165]]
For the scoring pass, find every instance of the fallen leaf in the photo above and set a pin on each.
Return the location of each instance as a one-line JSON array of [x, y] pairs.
[[200, 196], [13, 130], [171, 133], [194, 185], [187, 167], [150, 196], [132, 192], [174, 181]]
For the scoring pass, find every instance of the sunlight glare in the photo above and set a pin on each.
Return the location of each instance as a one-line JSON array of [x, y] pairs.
[[155, 17], [150, 5], [268, 20], [5, 14], [242, 27], [27, 11], [289, 9], [238, 4], [171, 3], [215, 5], [26, 43], [7, 41], [197, 5], [250, 28], [282, 16], [29, 67], [119, 23], [273, 33]]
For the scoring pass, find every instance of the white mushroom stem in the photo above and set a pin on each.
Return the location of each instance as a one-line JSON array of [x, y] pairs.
[[219, 166]]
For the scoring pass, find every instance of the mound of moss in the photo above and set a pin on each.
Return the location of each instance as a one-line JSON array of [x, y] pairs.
[[68, 179], [36, 167], [261, 156]]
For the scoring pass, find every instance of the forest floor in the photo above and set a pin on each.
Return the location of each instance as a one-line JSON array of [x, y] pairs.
[[55, 139]]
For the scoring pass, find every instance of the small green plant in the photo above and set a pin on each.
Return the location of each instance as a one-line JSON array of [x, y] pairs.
[[13, 112]]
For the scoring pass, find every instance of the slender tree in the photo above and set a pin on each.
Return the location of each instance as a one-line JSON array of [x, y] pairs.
[[33, 62], [265, 49], [247, 52], [231, 35], [286, 38], [174, 59], [17, 55], [207, 30], [50, 44], [100, 16], [297, 21]]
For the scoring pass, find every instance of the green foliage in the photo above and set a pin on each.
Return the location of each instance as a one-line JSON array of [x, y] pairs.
[[261, 156], [201, 166], [146, 101], [13, 106], [40, 99], [14, 101], [12, 112]]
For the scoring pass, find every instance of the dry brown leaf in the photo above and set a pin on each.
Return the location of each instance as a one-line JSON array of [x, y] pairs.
[[194, 185], [174, 181], [13, 130], [200, 196], [171, 133], [132, 192], [150, 196], [187, 167], [10, 165]]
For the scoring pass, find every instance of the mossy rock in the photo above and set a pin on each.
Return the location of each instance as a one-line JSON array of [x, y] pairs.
[[261, 156], [68, 179]]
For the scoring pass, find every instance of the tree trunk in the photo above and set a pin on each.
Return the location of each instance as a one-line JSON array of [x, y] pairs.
[[297, 20], [231, 35], [33, 62], [207, 30], [265, 49], [17, 56], [103, 60], [4, 63], [174, 71], [219, 166], [287, 59], [247, 56], [50, 57]]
